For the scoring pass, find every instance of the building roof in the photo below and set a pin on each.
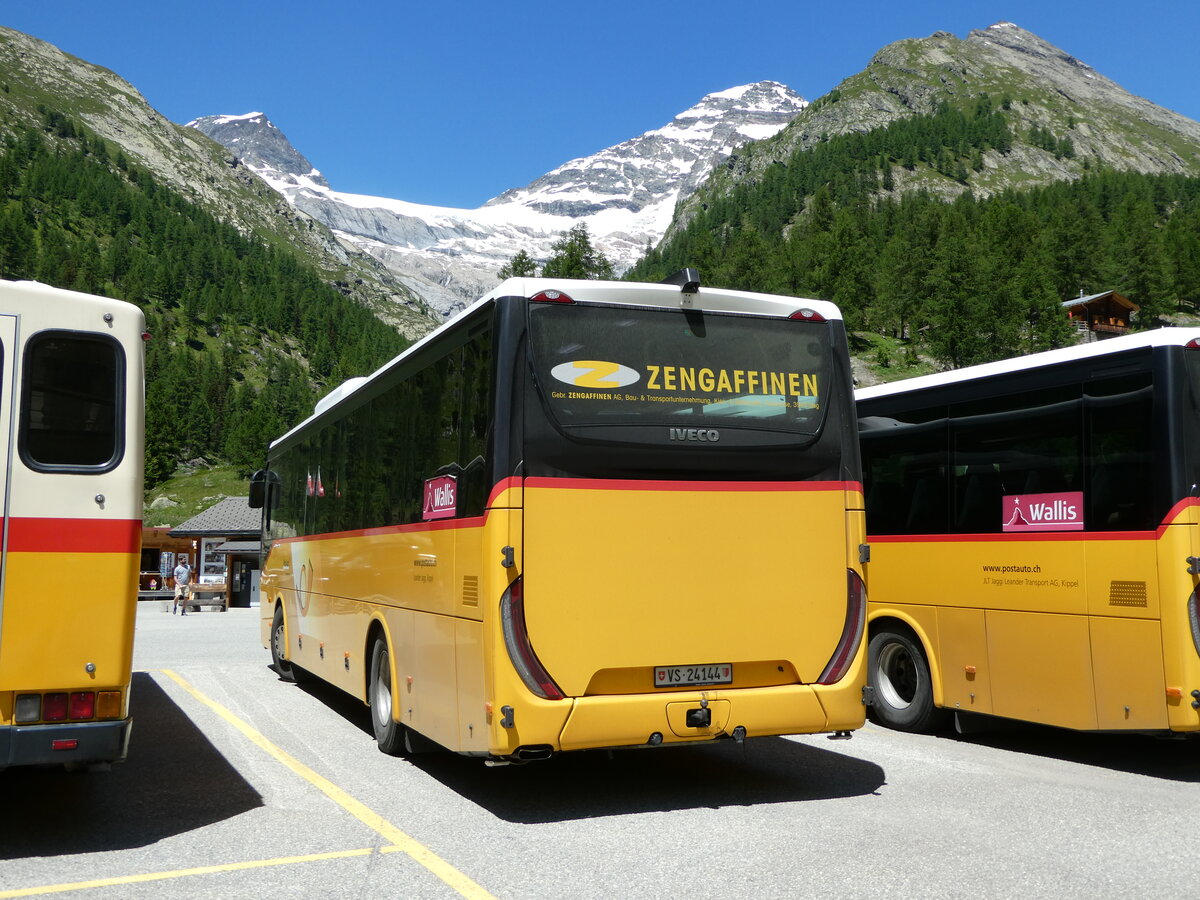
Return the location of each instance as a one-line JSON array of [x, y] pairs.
[[239, 547], [230, 518], [1092, 298]]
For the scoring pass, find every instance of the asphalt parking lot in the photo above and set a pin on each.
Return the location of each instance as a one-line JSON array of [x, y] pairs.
[[238, 784]]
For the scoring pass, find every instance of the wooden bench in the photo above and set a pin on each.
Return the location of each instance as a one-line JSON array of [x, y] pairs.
[[211, 595]]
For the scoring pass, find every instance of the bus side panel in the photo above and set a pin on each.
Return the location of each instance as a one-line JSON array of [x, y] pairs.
[[1122, 576], [963, 659], [1042, 668], [1129, 674], [471, 700]]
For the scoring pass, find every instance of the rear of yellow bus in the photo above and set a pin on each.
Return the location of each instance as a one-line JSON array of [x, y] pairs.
[[684, 524], [71, 415]]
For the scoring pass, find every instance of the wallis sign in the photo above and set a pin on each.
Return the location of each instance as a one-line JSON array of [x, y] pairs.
[[441, 498], [1043, 512]]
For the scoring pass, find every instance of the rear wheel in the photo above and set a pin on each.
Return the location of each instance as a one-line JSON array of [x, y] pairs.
[[389, 734], [283, 668], [899, 672]]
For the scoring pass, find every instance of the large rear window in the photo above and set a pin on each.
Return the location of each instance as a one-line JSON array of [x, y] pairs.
[[618, 366]]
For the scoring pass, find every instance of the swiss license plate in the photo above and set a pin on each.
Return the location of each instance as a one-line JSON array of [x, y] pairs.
[[681, 676]]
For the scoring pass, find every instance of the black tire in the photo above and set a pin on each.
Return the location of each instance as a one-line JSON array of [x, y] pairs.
[[389, 734], [284, 669], [903, 689]]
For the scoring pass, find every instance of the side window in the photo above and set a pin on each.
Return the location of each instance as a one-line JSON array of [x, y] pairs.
[[1018, 444], [904, 466], [72, 403], [1121, 472]]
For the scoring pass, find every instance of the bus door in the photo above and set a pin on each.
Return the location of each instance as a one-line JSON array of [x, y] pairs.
[[8, 330]]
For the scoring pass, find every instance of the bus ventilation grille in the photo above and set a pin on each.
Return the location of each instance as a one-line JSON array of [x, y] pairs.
[[470, 592], [1127, 593]]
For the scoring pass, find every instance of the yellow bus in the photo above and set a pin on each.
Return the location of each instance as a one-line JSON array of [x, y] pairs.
[[582, 514], [71, 414], [1035, 539]]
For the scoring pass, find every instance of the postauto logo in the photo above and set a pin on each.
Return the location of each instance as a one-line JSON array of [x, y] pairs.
[[595, 374]]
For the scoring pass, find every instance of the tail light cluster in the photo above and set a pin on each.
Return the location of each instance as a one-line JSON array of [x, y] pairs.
[[520, 650], [61, 706], [856, 617]]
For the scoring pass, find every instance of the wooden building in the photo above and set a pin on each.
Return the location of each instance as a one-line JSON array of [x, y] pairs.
[[1100, 315], [225, 544]]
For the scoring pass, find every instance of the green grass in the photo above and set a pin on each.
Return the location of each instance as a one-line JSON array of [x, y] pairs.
[[888, 358], [193, 491]]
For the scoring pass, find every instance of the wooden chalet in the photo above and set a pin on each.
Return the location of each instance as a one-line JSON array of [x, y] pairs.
[[225, 539], [1100, 315]]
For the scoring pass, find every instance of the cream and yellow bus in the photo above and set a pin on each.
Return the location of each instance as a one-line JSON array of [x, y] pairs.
[[71, 414], [582, 514], [1035, 538]]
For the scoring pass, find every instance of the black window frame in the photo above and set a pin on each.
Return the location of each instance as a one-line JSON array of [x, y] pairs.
[[120, 412]]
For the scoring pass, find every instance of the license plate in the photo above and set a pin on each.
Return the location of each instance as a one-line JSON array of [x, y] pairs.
[[681, 676]]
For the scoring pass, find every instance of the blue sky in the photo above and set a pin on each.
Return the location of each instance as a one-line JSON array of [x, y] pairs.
[[451, 103]]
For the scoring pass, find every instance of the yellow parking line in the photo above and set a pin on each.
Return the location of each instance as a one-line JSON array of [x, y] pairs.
[[399, 840], [179, 873]]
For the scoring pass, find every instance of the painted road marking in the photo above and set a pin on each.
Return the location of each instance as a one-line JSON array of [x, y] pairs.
[[398, 839], [399, 842], [180, 873]]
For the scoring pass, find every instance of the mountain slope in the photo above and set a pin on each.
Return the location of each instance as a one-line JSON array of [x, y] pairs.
[[1051, 101], [36, 73], [626, 194]]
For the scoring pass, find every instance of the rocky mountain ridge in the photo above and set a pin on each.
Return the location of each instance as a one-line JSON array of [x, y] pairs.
[[1044, 88], [626, 194], [36, 74]]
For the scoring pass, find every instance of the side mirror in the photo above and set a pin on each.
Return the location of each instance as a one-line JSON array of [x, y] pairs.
[[261, 484]]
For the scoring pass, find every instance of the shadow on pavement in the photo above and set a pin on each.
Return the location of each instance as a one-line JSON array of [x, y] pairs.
[[588, 784], [172, 782], [1174, 759]]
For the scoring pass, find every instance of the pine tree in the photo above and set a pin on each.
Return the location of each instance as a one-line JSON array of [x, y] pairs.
[[573, 256], [522, 265]]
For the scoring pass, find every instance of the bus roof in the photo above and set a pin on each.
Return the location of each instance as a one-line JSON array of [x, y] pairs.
[[623, 293], [1159, 337]]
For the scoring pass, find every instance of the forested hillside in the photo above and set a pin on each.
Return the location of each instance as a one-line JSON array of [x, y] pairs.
[[966, 280], [244, 335]]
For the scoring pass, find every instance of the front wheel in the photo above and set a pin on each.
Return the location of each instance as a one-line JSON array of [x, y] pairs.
[[899, 672], [389, 734]]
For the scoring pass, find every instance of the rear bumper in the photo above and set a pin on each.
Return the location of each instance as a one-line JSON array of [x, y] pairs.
[[616, 721], [95, 742]]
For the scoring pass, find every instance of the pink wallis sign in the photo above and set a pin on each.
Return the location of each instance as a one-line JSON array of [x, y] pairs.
[[441, 498], [1043, 512]]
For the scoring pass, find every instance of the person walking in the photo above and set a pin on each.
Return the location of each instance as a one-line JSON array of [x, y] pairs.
[[183, 590]]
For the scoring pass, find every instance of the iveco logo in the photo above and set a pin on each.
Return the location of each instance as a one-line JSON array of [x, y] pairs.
[[708, 435]]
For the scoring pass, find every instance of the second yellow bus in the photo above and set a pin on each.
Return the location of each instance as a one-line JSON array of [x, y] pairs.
[[582, 514]]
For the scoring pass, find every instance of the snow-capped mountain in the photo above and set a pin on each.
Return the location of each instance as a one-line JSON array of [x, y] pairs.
[[626, 194]]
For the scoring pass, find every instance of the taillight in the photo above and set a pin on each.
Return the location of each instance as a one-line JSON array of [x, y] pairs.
[[54, 707], [516, 641], [550, 296], [856, 616], [1193, 344], [807, 315], [82, 705]]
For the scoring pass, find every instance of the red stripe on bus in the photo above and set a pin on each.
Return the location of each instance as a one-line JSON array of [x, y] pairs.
[[578, 484], [616, 484], [1044, 536], [34, 535]]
